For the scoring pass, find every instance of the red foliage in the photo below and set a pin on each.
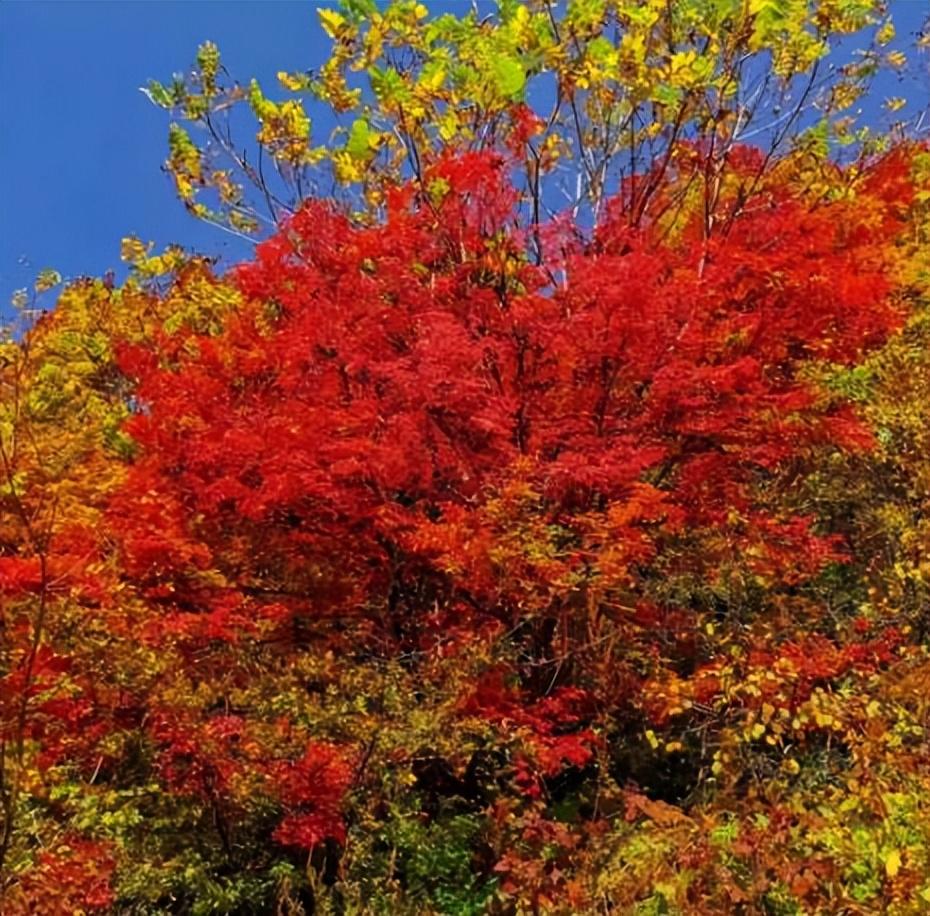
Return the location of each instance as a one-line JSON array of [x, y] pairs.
[[360, 421], [553, 728], [436, 448], [311, 790], [74, 877]]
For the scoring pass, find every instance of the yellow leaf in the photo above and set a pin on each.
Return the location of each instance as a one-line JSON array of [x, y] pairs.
[[332, 22], [292, 81], [47, 279], [133, 249], [896, 59], [886, 33], [892, 863]]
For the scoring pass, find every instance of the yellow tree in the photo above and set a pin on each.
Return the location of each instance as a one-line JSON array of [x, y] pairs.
[[62, 453], [595, 95]]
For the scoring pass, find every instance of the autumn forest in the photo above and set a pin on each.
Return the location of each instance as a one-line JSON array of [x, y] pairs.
[[537, 521]]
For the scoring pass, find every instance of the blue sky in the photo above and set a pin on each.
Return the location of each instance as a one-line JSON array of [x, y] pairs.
[[81, 147]]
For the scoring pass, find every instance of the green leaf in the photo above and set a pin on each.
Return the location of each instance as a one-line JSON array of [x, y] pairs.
[[585, 14], [601, 50], [666, 94], [359, 141], [358, 10], [507, 9], [387, 85], [158, 94], [509, 77]]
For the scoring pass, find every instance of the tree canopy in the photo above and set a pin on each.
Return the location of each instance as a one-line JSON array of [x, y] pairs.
[[535, 524]]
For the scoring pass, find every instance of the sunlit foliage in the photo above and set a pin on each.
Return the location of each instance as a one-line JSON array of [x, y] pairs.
[[469, 549]]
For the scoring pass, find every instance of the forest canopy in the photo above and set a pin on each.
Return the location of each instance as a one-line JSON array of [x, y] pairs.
[[536, 522]]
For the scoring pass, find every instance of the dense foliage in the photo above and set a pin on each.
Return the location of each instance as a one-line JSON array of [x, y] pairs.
[[455, 556]]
